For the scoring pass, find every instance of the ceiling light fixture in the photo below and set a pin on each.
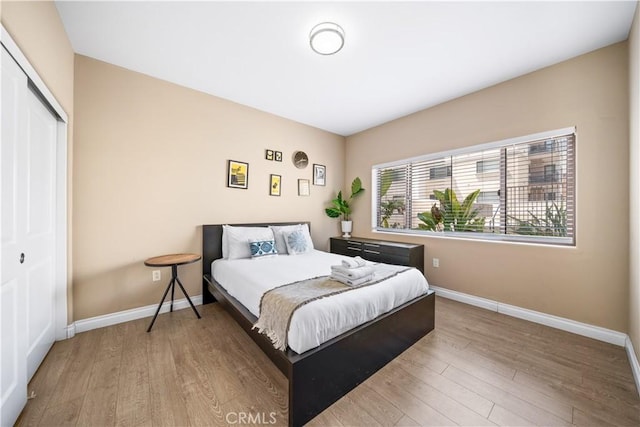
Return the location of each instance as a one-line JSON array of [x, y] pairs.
[[326, 38]]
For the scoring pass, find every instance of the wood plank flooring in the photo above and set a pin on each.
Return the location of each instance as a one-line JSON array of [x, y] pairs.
[[476, 368]]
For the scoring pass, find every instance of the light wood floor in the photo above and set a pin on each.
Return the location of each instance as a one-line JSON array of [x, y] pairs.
[[476, 368]]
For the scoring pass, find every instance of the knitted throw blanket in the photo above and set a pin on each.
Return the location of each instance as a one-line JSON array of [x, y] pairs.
[[278, 304]]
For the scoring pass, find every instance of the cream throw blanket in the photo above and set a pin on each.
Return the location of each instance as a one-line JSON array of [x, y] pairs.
[[278, 304]]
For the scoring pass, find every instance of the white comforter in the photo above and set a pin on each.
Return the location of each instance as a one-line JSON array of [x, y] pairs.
[[323, 319]]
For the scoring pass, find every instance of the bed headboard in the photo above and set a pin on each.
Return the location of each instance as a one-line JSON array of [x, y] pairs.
[[212, 240]]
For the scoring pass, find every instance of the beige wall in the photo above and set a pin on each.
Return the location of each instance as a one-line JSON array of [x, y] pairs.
[[36, 28], [150, 168], [634, 144], [588, 283]]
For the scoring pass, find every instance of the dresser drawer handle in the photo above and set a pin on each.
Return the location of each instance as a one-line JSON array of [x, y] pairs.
[[373, 245], [372, 252], [351, 248]]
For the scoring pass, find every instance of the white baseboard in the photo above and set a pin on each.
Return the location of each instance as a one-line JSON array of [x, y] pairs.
[[487, 304], [633, 361], [71, 330], [584, 329], [84, 325]]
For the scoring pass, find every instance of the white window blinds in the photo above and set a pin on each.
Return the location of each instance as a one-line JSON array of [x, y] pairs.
[[521, 189]]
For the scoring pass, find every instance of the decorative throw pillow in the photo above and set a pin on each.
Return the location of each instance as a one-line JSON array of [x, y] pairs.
[[297, 243], [262, 248], [281, 231], [304, 228]]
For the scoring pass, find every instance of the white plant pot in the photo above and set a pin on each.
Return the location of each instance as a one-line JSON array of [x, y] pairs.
[[346, 228]]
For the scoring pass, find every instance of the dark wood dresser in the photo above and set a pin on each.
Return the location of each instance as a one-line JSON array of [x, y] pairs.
[[380, 251]]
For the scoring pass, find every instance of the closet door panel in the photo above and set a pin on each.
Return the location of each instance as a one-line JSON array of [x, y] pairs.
[[40, 230], [13, 377]]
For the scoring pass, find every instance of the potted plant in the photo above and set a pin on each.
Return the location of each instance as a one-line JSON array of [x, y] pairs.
[[341, 206]]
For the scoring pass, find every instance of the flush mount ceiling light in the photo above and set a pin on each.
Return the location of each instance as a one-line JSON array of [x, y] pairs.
[[326, 38]]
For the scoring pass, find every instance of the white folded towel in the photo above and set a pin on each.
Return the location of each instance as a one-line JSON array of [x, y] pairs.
[[351, 282], [353, 262], [352, 273]]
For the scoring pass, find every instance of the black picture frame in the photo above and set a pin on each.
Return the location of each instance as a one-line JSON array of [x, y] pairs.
[[319, 175], [268, 154], [278, 156], [237, 174]]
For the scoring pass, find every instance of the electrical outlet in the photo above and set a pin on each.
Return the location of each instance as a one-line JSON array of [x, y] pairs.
[[155, 275], [436, 262]]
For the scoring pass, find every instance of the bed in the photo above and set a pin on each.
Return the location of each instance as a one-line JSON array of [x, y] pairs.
[[320, 376]]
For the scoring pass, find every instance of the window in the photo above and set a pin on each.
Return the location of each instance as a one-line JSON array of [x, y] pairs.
[[439, 172], [522, 189], [483, 166], [550, 173]]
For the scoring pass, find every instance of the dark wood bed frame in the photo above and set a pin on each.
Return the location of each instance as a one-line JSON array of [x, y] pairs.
[[322, 375]]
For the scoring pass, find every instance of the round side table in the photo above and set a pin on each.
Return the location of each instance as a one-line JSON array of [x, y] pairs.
[[173, 261]]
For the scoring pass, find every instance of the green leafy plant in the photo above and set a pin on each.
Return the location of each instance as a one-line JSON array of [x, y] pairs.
[[341, 206], [452, 215], [388, 207], [553, 224]]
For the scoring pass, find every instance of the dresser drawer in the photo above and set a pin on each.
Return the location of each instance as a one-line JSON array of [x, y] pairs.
[[388, 259], [386, 249], [346, 247]]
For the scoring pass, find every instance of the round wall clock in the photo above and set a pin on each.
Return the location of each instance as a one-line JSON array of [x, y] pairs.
[[300, 159]]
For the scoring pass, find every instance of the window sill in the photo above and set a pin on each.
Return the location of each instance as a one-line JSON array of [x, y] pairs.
[[482, 237]]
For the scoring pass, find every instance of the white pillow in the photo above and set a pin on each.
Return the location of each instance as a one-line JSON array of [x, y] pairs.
[[297, 242], [238, 238], [279, 232]]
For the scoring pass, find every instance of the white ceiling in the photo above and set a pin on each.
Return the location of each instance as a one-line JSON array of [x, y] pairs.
[[399, 57]]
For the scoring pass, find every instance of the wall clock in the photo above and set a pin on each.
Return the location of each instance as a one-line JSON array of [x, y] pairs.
[[300, 159]]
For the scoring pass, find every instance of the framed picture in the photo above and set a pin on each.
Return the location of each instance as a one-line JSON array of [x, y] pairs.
[[268, 154], [237, 174], [319, 174], [278, 156], [274, 185], [303, 187]]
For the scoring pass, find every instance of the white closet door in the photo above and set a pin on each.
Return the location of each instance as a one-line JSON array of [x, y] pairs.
[[13, 348], [27, 297], [39, 222]]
